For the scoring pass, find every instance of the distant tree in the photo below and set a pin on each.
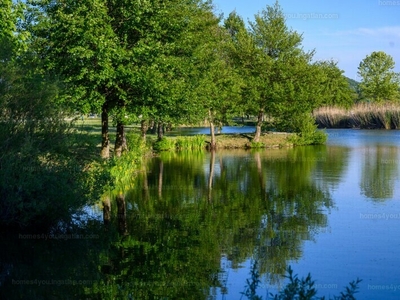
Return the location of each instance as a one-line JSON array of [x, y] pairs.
[[378, 80], [337, 90]]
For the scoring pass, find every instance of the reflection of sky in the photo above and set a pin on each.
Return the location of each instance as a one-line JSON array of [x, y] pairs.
[[363, 237]]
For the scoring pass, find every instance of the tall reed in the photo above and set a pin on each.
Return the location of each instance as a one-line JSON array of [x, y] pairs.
[[361, 115], [195, 142]]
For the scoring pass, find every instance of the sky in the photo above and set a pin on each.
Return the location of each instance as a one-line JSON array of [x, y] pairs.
[[345, 31]]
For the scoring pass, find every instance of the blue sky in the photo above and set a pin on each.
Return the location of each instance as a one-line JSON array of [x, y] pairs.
[[346, 31]]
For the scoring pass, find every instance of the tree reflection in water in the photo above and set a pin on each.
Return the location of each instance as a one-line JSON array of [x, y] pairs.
[[187, 212]]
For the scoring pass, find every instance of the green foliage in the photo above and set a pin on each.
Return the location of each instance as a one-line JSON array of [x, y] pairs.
[[11, 42], [42, 181], [338, 90], [354, 85], [165, 144], [307, 133], [119, 172], [196, 142], [281, 81], [257, 145], [378, 80]]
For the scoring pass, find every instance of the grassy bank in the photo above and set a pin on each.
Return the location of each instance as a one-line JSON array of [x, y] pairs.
[[361, 115], [224, 141], [91, 128]]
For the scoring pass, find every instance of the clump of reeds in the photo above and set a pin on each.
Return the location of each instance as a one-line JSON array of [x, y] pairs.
[[362, 115], [331, 117], [195, 142]]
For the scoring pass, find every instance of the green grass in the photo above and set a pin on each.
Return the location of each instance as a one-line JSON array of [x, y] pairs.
[[196, 142]]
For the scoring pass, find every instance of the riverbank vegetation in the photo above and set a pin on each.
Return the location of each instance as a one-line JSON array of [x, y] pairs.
[[362, 115], [376, 98], [175, 63]]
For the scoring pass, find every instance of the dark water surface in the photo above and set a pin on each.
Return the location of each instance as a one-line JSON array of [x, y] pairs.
[[197, 224]]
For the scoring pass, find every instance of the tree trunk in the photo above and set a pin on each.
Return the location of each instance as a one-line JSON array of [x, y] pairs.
[[143, 128], [213, 144], [153, 126], [105, 143], [160, 131], [106, 211], [258, 125], [122, 224], [120, 140]]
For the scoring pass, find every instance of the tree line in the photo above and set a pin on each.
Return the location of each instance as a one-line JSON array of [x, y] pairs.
[[169, 61]]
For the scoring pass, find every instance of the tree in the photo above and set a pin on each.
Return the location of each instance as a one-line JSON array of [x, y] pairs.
[[252, 66], [10, 42], [122, 64], [275, 68], [337, 89], [378, 80], [217, 81]]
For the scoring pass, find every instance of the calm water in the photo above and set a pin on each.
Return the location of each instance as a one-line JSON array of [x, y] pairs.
[[197, 224]]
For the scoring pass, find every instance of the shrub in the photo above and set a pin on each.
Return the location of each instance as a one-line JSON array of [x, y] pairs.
[[182, 143], [165, 144], [257, 145], [307, 132], [42, 180]]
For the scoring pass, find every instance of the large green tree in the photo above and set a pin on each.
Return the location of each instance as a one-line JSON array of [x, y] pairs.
[[217, 83], [379, 82], [276, 70], [336, 88], [122, 56]]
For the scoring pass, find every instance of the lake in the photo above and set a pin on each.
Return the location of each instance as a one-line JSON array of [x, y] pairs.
[[202, 225]]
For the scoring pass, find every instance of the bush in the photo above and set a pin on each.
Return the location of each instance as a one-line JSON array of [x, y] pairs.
[[182, 143], [307, 132], [121, 169], [257, 145], [165, 144], [42, 180]]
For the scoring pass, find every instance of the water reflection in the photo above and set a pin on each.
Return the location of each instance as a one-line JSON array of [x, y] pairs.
[[190, 209], [195, 216], [379, 171]]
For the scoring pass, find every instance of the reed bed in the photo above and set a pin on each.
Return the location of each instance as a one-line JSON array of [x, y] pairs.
[[196, 142], [361, 115]]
